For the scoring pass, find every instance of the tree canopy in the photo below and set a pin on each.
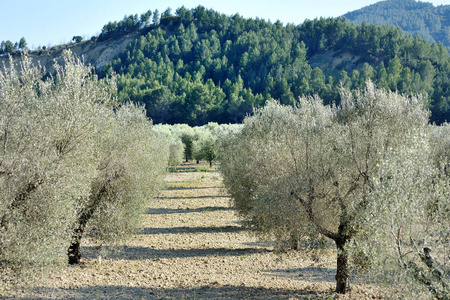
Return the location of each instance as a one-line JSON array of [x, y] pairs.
[[72, 160], [360, 172]]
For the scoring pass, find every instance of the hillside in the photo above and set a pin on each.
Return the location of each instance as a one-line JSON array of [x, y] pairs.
[[416, 18], [198, 65], [95, 53]]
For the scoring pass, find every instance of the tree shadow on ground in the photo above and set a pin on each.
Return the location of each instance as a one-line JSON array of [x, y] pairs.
[[180, 188], [167, 211], [192, 230], [192, 197], [314, 274], [212, 291], [139, 253], [198, 169]]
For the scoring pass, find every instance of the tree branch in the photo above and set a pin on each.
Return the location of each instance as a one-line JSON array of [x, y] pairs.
[[308, 207], [20, 198]]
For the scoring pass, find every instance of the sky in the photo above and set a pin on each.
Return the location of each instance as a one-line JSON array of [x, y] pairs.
[[53, 22]]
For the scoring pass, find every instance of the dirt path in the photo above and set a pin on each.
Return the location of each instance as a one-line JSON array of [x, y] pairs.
[[192, 246]]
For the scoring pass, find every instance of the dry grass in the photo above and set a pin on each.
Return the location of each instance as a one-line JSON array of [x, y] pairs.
[[192, 246]]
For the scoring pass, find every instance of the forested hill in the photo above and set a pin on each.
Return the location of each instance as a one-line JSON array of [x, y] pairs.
[[416, 18], [197, 65]]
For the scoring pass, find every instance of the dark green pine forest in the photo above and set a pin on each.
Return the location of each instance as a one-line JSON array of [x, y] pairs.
[[416, 18], [197, 65]]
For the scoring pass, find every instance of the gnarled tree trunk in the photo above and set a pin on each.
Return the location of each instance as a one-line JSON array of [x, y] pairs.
[[74, 248], [342, 272], [294, 241], [95, 200]]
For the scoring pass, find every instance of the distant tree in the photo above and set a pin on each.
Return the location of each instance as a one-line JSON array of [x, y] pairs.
[[188, 138], [205, 148], [167, 13], [8, 47], [156, 17], [157, 103], [145, 18], [176, 153], [394, 70], [23, 44], [77, 39], [185, 14]]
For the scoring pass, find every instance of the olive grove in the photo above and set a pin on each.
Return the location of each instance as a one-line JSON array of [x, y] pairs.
[[198, 142], [66, 143], [315, 170]]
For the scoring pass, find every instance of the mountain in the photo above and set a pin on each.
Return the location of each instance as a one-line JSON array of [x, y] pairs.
[[198, 65], [416, 18]]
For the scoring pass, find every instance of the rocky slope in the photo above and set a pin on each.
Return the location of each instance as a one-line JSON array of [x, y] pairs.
[[96, 54]]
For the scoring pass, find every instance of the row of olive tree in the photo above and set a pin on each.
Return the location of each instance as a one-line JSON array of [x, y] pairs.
[[359, 174], [194, 143], [70, 159]]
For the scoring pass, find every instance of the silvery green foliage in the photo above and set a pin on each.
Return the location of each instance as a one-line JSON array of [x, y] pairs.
[[176, 152], [314, 169], [224, 130], [61, 141], [409, 213], [408, 208], [48, 129], [184, 133], [260, 165], [201, 140], [176, 146], [204, 147], [131, 172]]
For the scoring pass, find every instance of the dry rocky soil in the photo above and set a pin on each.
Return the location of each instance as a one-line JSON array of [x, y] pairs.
[[192, 246]]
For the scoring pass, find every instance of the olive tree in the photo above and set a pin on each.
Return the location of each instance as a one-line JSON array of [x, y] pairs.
[[48, 130], [406, 237], [204, 148], [176, 146], [176, 153], [132, 160], [70, 157], [180, 132], [223, 130], [243, 155], [311, 170], [405, 227]]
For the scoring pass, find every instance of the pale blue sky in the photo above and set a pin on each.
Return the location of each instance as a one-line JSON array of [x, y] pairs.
[[51, 22]]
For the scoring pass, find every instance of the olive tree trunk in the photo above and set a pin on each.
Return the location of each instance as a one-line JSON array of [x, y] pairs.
[[342, 272], [86, 214], [74, 248]]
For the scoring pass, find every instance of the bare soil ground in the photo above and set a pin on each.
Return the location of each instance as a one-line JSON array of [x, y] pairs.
[[192, 246]]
